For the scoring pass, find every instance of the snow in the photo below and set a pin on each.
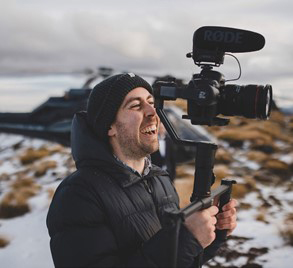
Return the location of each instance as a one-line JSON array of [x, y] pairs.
[[29, 240], [27, 235], [278, 258]]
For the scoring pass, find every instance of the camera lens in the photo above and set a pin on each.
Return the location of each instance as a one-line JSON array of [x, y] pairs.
[[251, 101]]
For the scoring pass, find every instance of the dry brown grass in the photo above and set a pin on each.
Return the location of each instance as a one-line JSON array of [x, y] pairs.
[[57, 148], [256, 131], [183, 172], [42, 168], [4, 177], [3, 242], [15, 202], [182, 104], [221, 172], [287, 230], [279, 168], [257, 156], [223, 156], [184, 183], [267, 127], [184, 188], [250, 183], [245, 206], [239, 134], [31, 155], [51, 193], [275, 164], [290, 124], [22, 182], [240, 190], [261, 217]]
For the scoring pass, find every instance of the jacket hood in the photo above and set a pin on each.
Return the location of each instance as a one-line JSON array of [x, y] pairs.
[[85, 146], [88, 150]]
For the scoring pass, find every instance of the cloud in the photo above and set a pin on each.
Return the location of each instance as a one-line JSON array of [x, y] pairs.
[[152, 36]]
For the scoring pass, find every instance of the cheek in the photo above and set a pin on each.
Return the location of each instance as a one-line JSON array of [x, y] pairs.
[[131, 119], [129, 123]]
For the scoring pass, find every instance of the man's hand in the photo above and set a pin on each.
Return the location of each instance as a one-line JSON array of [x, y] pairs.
[[227, 218], [202, 225]]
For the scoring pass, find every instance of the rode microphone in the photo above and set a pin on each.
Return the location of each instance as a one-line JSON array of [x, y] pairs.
[[211, 42], [227, 39]]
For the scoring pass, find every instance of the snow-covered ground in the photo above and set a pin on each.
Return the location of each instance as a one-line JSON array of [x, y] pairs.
[[29, 240], [27, 234]]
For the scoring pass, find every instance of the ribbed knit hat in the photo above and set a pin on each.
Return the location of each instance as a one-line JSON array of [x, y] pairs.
[[107, 97]]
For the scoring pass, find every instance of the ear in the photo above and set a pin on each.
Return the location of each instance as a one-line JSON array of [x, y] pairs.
[[112, 130]]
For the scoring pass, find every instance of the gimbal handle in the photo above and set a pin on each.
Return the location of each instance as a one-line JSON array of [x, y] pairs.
[[201, 197]]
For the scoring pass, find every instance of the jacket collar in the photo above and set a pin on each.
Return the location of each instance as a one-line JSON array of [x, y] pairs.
[[89, 151]]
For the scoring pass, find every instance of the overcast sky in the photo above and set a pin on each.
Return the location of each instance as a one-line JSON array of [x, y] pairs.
[[150, 36]]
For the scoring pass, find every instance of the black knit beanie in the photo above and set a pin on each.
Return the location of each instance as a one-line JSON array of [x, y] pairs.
[[107, 97]]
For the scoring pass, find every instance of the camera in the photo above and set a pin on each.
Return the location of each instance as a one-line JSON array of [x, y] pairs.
[[207, 93]]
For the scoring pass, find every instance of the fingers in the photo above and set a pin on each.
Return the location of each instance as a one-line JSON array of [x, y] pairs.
[[214, 220], [227, 218], [227, 214], [202, 225], [228, 223], [213, 210], [231, 204]]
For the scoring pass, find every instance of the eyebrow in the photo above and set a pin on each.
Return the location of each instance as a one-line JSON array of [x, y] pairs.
[[136, 98]]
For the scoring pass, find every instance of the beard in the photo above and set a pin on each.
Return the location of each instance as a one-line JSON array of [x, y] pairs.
[[132, 146]]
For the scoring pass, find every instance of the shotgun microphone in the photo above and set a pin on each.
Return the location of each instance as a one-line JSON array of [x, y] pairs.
[[224, 39]]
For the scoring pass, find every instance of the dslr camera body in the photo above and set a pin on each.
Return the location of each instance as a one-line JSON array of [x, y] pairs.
[[207, 93]]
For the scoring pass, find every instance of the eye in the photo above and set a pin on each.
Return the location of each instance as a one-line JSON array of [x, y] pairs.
[[151, 102], [135, 105]]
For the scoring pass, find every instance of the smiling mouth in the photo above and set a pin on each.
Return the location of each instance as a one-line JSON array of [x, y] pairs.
[[149, 130]]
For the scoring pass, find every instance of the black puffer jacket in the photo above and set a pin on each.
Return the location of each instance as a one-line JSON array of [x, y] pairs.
[[104, 215]]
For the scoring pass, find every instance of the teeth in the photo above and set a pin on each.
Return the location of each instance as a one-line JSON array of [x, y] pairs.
[[149, 129]]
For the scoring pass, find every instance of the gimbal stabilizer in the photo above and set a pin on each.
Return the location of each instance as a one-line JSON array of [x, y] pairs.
[[202, 196], [208, 96]]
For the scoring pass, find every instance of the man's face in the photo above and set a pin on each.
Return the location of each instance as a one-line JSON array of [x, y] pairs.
[[134, 134]]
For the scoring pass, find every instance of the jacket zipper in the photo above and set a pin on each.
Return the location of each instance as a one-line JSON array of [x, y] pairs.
[[147, 187]]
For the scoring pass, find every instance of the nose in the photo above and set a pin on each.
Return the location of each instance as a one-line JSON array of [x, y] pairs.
[[150, 110]]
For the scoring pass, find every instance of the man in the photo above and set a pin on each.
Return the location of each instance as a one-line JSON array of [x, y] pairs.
[[110, 212], [165, 157]]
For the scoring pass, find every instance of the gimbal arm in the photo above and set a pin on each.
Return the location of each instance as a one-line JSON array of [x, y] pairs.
[[202, 197]]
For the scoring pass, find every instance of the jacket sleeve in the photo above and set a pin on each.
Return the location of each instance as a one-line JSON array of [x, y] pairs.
[[81, 236], [211, 250], [157, 249]]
